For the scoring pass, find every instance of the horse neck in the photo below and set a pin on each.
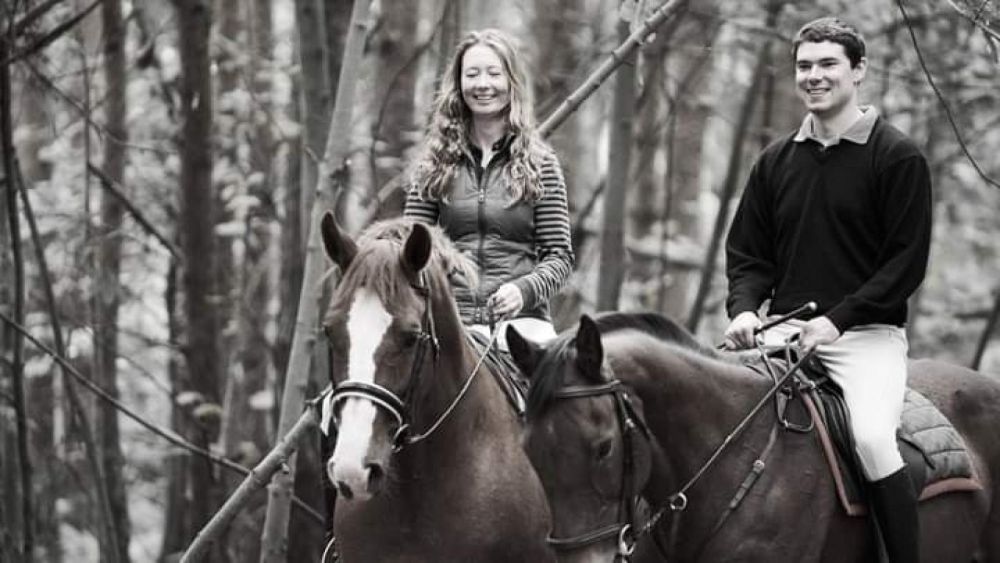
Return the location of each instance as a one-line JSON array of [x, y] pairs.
[[691, 401], [445, 379]]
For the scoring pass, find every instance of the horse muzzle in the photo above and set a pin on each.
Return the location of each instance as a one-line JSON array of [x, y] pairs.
[[356, 481]]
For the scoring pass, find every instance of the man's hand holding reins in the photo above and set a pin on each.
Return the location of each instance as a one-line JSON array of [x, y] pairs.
[[817, 332], [741, 333]]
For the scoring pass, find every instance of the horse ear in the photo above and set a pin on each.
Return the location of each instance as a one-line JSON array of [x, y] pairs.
[[524, 352], [417, 250], [589, 350], [339, 245]]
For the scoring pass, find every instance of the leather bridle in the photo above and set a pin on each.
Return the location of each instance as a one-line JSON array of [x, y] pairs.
[[399, 406], [629, 421]]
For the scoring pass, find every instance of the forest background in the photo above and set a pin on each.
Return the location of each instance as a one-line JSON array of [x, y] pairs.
[[160, 160]]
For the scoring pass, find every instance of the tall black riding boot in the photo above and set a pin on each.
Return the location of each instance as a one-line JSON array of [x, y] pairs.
[[895, 504]]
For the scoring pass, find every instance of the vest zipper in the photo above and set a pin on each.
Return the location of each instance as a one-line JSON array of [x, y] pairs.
[[481, 225]]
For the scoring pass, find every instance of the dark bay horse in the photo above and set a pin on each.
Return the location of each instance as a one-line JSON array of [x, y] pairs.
[[428, 461], [597, 389]]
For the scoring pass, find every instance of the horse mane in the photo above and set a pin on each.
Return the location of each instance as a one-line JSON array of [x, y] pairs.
[[547, 378], [377, 266]]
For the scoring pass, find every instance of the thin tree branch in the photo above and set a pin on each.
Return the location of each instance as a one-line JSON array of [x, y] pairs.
[[257, 479], [976, 19], [614, 60], [34, 14], [115, 190], [51, 36], [76, 407], [944, 103], [85, 114], [164, 433]]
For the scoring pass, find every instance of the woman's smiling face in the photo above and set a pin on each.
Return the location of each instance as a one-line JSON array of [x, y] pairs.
[[485, 85]]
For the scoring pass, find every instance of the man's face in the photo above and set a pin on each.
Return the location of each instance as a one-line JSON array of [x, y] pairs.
[[824, 78]]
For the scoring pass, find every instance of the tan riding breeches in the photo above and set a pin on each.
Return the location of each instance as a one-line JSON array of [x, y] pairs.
[[535, 330], [869, 364]]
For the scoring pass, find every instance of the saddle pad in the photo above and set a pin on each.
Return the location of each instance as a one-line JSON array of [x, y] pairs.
[[930, 445], [503, 368]]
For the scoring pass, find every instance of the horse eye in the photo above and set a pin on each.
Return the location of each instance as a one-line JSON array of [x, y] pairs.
[[604, 449]]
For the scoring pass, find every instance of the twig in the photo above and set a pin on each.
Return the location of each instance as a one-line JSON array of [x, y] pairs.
[[944, 103], [51, 36], [257, 479], [76, 407], [164, 433], [112, 187], [33, 14], [617, 57], [976, 20]]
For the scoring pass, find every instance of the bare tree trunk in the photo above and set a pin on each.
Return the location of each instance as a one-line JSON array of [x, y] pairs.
[[43, 401], [12, 346], [198, 283], [612, 236], [177, 527], [297, 375], [728, 189], [687, 118], [643, 209], [312, 107], [106, 294]]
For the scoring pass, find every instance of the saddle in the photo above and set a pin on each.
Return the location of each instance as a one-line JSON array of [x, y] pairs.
[[504, 370], [935, 454]]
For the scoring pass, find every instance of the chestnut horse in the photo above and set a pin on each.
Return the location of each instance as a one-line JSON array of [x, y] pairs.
[[428, 463], [630, 405]]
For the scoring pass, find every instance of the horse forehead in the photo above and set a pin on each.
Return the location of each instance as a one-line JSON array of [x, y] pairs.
[[368, 320]]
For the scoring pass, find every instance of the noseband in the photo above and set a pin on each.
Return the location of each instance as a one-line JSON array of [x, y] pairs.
[[629, 422]]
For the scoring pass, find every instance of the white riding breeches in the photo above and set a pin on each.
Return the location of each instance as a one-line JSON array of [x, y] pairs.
[[536, 330], [869, 363]]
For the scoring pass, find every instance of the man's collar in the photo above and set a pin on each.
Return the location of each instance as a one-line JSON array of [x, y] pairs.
[[858, 132]]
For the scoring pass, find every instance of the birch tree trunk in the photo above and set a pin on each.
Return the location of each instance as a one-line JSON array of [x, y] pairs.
[[613, 261], [331, 169], [107, 292]]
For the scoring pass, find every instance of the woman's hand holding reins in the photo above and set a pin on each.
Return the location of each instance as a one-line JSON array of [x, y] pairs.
[[507, 301]]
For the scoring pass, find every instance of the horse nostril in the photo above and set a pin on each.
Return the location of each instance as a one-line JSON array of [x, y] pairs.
[[376, 475], [344, 490]]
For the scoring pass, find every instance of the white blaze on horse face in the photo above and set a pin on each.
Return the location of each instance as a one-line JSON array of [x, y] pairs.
[[367, 323]]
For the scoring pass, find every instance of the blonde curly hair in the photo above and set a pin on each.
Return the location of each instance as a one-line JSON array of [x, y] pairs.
[[448, 132]]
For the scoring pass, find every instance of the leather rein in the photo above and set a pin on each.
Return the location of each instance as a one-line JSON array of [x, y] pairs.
[[626, 530]]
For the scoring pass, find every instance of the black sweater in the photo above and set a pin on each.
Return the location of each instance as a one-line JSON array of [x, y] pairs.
[[847, 226]]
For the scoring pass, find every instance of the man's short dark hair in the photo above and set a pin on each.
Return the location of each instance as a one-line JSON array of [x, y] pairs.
[[833, 30]]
